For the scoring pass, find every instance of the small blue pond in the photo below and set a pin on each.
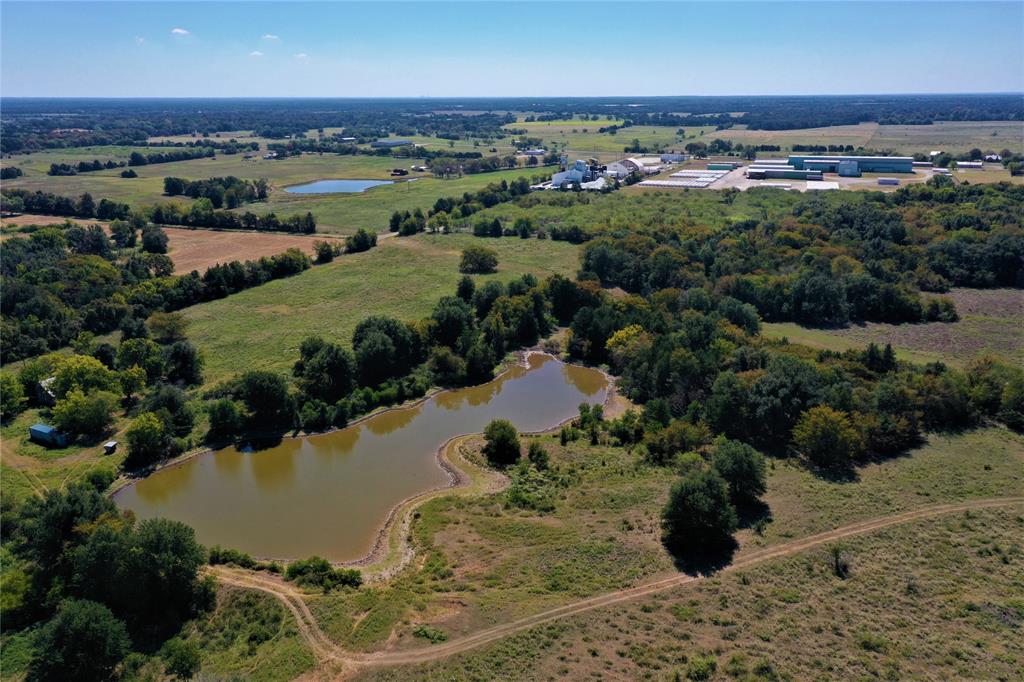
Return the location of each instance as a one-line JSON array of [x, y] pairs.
[[334, 186]]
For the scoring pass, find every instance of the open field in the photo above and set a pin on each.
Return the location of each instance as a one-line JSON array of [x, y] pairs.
[[199, 249], [951, 136], [927, 600], [484, 562], [345, 213], [262, 327], [990, 323], [335, 213]]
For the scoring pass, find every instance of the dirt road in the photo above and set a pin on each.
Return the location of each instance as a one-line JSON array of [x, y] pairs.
[[338, 663]]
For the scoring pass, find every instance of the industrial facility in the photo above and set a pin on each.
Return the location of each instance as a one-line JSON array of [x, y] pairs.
[[389, 144], [852, 166]]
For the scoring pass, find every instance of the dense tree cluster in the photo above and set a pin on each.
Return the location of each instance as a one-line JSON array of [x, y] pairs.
[[228, 147], [863, 260], [229, 192], [101, 584], [389, 361]]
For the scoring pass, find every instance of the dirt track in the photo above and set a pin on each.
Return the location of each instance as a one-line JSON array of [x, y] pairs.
[[337, 663]]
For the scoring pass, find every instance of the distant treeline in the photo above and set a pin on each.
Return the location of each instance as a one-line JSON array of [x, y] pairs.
[[232, 146], [201, 214], [82, 167], [33, 124], [138, 159]]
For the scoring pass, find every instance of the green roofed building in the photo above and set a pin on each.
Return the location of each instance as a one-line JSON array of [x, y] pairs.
[[852, 166]]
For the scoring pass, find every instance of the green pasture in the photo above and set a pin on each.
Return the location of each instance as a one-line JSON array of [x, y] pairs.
[[261, 328]]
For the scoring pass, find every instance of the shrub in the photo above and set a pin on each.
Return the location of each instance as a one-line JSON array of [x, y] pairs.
[[84, 641], [826, 437], [181, 658], [478, 259], [538, 456], [502, 443], [220, 555], [429, 633], [676, 438], [147, 440], [701, 668], [318, 572], [12, 396], [360, 241]]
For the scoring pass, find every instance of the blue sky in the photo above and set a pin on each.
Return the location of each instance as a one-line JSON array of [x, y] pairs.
[[152, 49]]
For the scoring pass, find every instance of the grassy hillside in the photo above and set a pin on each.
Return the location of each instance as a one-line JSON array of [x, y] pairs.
[[990, 323], [262, 327], [485, 561]]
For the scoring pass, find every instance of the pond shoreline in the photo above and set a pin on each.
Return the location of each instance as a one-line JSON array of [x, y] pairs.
[[457, 478]]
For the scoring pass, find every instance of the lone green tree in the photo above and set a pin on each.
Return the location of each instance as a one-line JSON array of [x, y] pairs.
[[699, 515], [502, 443], [478, 260]]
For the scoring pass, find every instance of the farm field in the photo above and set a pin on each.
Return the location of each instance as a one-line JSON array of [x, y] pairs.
[[950, 136], [990, 323], [335, 213], [404, 277], [345, 213], [199, 249]]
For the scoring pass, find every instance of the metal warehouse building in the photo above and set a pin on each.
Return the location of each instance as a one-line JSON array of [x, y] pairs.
[[785, 172], [852, 166]]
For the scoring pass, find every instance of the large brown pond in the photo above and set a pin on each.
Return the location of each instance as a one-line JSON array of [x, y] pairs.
[[330, 494]]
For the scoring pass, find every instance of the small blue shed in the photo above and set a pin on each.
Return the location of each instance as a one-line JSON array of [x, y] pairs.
[[44, 434]]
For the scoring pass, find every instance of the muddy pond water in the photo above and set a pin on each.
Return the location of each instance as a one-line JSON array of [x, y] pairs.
[[330, 494]]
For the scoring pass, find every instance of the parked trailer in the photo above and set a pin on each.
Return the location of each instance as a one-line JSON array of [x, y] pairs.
[[888, 181]]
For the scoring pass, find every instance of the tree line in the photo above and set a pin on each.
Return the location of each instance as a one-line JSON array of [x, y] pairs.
[[202, 212], [57, 169]]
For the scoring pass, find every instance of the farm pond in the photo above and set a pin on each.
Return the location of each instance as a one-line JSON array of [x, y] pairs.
[[330, 494], [336, 186]]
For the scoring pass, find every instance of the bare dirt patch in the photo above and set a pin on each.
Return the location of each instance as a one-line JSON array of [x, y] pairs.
[[199, 249]]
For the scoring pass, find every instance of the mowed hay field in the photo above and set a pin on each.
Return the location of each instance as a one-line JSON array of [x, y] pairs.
[[261, 328], [196, 249], [951, 136], [991, 323], [199, 249]]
